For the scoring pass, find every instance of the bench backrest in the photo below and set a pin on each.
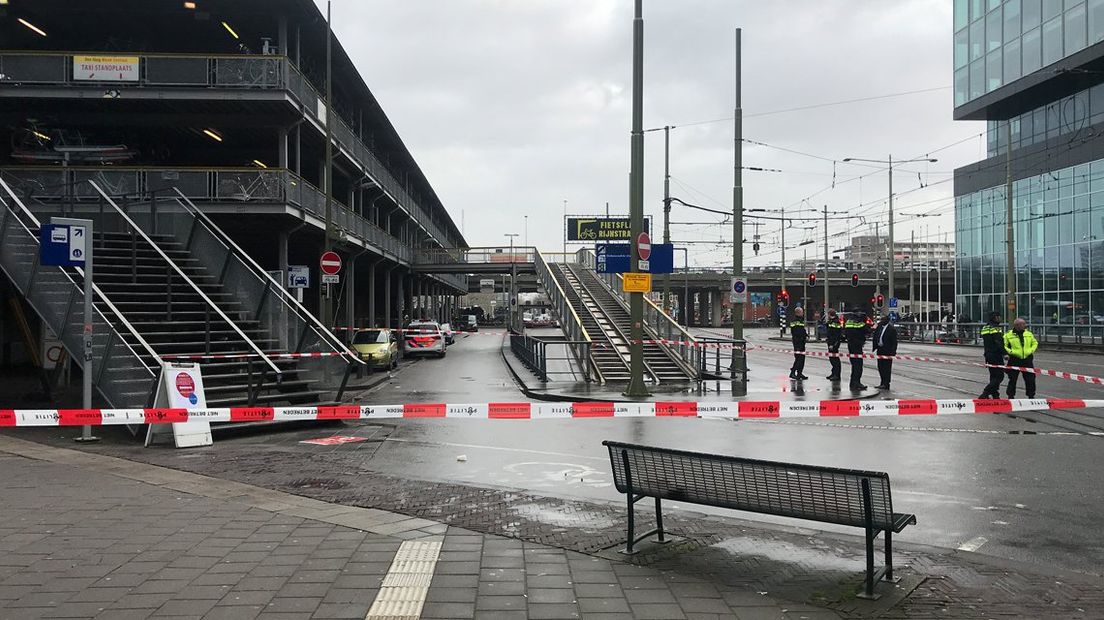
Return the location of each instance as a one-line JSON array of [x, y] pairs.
[[825, 494]]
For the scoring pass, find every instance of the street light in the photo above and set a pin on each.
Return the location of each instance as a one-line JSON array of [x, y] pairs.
[[892, 292], [513, 283]]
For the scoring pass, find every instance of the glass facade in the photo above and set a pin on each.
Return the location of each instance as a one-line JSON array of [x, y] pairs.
[[1064, 117], [996, 42], [1058, 224]]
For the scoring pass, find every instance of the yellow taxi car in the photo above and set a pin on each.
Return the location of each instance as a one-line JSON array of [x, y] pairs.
[[379, 348]]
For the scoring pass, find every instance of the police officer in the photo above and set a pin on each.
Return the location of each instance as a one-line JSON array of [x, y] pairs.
[[992, 337], [1020, 345], [855, 330], [799, 337], [834, 338], [885, 344]]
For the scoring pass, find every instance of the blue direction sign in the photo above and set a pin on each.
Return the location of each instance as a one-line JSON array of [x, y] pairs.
[[615, 258], [893, 316], [781, 310], [63, 245], [893, 303]]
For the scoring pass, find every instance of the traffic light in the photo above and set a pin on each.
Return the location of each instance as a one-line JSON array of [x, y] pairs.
[[812, 279], [784, 298], [854, 279], [881, 300], [873, 302]]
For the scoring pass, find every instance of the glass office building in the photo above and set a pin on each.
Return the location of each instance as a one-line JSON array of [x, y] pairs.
[[1034, 70]]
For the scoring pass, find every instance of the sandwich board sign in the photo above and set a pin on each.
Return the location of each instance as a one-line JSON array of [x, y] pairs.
[[181, 388]]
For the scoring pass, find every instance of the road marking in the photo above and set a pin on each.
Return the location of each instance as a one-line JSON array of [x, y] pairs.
[[973, 544], [406, 584], [499, 448]]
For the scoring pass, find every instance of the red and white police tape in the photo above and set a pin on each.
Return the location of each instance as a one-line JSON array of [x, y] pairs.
[[540, 410], [1038, 371]]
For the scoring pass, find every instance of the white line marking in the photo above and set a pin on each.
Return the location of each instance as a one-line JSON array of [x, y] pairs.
[[973, 544], [406, 584], [499, 448]]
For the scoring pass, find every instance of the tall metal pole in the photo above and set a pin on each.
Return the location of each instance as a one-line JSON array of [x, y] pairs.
[[805, 281], [327, 301], [636, 207], [912, 272], [565, 230], [739, 387], [826, 302], [512, 316], [781, 320], [1009, 237], [892, 292], [666, 211]]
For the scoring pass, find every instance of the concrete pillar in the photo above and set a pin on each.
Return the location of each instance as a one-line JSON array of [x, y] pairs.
[[350, 295], [298, 150], [372, 292], [282, 147], [715, 296], [388, 309], [282, 253]]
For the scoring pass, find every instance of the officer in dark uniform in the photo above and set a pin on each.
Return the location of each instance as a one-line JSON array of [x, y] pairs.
[[855, 331], [799, 337], [992, 336], [835, 337]]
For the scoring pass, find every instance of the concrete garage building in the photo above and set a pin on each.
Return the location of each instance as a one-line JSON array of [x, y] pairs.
[[1034, 70], [217, 106]]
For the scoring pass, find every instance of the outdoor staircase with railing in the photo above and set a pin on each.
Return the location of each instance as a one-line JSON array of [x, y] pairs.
[[608, 322], [183, 293], [175, 320]]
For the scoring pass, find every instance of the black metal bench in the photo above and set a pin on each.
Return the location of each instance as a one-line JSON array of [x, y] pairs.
[[825, 494]]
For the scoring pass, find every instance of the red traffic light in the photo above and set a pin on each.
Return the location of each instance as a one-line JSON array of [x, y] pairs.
[[881, 300], [812, 278], [854, 279], [784, 297]]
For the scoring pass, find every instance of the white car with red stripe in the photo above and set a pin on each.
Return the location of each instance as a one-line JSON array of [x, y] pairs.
[[425, 338]]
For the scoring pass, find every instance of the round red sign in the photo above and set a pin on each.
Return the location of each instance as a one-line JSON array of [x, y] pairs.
[[643, 246], [185, 384], [330, 263]]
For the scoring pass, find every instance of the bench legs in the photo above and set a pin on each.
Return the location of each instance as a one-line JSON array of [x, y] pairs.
[[868, 586], [659, 522], [889, 559]]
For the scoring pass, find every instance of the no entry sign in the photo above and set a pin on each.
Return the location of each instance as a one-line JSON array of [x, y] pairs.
[[330, 263], [644, 246]]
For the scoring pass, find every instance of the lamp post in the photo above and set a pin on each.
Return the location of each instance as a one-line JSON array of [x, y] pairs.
[[636, 386], [890, 162], [512, 320]]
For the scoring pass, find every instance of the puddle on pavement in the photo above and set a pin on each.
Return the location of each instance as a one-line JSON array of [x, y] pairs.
[[546, 475], [588, 521], [818, 555]]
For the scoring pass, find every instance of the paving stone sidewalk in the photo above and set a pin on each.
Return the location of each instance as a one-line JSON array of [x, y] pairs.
[[92, 536]]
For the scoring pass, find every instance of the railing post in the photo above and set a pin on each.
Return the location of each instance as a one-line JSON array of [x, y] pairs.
[[169, 295], [207, 330]]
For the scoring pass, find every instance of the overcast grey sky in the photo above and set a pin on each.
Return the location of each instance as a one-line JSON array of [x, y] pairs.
[[513, 106]]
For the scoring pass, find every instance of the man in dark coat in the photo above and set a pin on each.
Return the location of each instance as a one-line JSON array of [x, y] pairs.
[[799, 336], [992, 337], [855, 331], [885, 343], [835, 338]]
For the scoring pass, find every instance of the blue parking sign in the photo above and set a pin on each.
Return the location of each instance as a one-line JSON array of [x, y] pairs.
[[893, 302]]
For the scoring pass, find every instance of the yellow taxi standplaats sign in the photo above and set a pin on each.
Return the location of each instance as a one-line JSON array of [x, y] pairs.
[[637, 283]]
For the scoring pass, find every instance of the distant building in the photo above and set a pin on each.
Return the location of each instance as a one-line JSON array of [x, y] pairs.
[[869, 250]]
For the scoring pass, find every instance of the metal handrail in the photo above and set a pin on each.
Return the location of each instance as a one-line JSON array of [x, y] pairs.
[[564, 308], [326, 334], [185, 277], [115, 311]]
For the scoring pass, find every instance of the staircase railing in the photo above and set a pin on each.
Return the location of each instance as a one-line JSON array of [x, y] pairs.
[[569, 320], [121, 376], [135, 229], [657, 323], [278, 310]]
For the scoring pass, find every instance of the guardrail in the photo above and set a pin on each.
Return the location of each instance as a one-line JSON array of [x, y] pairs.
[[970, 333], [475, 256], [240, 71], [580, 341], [533, 352]]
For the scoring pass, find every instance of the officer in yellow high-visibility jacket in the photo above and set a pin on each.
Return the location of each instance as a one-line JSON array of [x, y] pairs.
[[1020, 345]]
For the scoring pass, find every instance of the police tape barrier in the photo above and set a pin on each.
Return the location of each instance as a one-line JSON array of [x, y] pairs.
[[913, 358], [540, 410]]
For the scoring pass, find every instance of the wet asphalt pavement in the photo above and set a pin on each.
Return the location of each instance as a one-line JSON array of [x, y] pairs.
[[1018, 487]]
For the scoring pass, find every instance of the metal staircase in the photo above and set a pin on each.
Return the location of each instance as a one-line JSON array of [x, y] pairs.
[[608, 322], [175, 287]]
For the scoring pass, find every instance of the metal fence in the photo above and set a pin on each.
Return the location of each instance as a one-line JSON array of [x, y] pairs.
[[534, 352], [579, 340], [970, 333]]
